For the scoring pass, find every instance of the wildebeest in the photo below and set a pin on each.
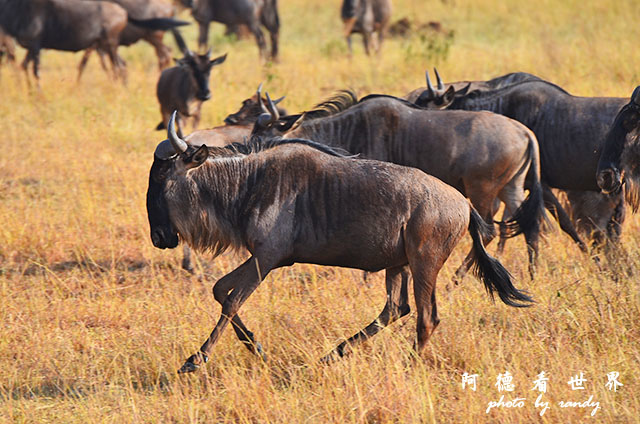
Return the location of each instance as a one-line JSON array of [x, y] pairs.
[[619, 160], [69, 25], [486, 156], [570, 131], [366, 17], [298, 201], [185, 86], [251, 13], [238, 128], [140, 10]]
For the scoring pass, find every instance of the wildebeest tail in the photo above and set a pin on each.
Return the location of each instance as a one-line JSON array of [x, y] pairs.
[[527, 218], [493, 274], [158, 24], [182, 45]]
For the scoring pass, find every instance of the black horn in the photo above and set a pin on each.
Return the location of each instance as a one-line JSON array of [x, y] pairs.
[[439, 80], [429, 85]]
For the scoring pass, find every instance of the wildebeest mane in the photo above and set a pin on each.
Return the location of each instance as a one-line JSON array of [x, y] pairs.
[[340, 101]]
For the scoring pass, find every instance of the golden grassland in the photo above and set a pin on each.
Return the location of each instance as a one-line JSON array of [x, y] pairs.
[[94, 321]]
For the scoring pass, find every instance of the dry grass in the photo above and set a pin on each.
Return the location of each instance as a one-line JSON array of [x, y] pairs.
[[95, 321]]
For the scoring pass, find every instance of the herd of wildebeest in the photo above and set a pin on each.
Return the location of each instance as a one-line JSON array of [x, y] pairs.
[[380, 182]]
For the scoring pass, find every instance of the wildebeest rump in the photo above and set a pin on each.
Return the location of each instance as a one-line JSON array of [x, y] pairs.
[[251, 13], [620, 158], [570, 131], [185, 86], [140, 10], [298, 201], [485, 156], [366, 17]]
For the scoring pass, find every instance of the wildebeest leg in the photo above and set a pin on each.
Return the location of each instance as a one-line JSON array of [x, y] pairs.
[[366, 40], [513, 197], [424, 290], [163, 52], [196, 116], [203, 35], [274, 45], [231, 291], [186, 259], [83, 62], [396, 307], [25, 66], [349, 46], [556, 209], [259, 36]]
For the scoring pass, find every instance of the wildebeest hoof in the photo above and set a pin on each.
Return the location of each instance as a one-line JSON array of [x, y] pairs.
[[260, 352], [193, 363]]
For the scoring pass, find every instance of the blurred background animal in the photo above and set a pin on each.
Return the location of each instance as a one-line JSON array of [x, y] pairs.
[[366, 17], [236, 13], [185, 87]]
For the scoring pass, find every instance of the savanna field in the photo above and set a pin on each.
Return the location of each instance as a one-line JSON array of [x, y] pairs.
[[94, 321]]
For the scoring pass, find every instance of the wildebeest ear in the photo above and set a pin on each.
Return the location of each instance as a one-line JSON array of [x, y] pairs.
[[464, 91], [448, 96], [218, 60], [198, 157], [289, 122]]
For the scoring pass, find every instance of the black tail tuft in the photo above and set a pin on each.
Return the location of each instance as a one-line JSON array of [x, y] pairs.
[[158, 24], [493, 274], [527, 218]]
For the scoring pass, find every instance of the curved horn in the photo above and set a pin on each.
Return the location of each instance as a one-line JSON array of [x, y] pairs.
[[208, 53], [179, 144], [429, 85], [440, 84], [635, 97], [260, 102], [273, 110], [276, 101]]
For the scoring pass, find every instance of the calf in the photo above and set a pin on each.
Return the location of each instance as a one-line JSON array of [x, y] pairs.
[[186, 86]]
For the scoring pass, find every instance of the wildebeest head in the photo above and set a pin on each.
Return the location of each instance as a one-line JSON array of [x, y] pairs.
[[251, 110], [199, 65], [620, 158], [436, 98], [269, 124], [173, 158]]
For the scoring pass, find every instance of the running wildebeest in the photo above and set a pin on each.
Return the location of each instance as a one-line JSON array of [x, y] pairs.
[[487, 157], [366, 17], [571, 131], [69, 25], [185, 86], [620, 158], [291, 201], [251, 13], [238, 128], [139, 10]]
